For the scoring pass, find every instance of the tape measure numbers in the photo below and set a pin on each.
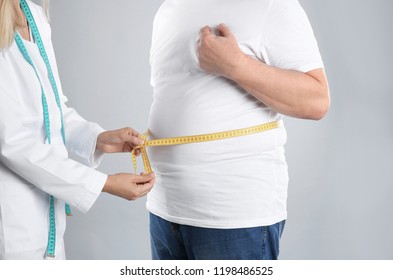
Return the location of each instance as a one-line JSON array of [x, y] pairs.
[[194, 139]]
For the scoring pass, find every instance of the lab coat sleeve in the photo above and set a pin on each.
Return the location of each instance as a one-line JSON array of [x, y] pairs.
[[81, 137], [45, 166]]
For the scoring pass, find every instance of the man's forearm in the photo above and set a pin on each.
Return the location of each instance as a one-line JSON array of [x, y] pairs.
[[292, 93]]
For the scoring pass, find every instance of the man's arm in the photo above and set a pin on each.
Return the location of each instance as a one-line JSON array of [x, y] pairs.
[[292, 93]]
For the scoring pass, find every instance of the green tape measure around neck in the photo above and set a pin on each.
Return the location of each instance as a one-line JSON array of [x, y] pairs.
[[19, 41]]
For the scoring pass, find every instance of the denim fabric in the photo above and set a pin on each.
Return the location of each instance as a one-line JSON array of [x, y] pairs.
[[170, 241]]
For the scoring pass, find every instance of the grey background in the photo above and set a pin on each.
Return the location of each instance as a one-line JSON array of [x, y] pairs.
[[340, 168]]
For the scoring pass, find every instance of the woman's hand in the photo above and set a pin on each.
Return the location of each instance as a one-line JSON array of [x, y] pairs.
[[129, 186], [117, 141]]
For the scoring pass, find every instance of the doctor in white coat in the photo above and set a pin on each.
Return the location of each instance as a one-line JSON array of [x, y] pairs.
[[37, 131]]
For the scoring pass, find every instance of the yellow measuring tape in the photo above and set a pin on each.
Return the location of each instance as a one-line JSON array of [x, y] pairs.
[[195, 139]]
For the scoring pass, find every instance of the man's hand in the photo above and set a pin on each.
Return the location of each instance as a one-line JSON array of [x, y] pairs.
[[117, 141], [129, 186], [219, 54], [292, 93]]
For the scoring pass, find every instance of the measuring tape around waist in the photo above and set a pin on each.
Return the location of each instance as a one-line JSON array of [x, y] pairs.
[[195, 139]]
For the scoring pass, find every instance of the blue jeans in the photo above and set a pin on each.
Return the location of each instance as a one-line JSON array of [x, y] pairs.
[[170, 241]]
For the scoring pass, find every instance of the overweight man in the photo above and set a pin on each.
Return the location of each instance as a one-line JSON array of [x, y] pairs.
[[224, 65]]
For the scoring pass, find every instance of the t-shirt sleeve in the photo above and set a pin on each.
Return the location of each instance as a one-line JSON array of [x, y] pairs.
[[288, 40]]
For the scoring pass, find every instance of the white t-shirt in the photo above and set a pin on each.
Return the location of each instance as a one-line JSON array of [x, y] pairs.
[[233, 183]]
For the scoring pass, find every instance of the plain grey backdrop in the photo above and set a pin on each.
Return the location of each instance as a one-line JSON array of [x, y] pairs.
[[340, 168]]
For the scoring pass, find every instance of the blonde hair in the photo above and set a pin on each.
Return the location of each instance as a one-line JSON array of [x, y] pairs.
[[9, 20]]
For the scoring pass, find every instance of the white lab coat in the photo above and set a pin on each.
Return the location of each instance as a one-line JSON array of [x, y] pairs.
[[30, 169]]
